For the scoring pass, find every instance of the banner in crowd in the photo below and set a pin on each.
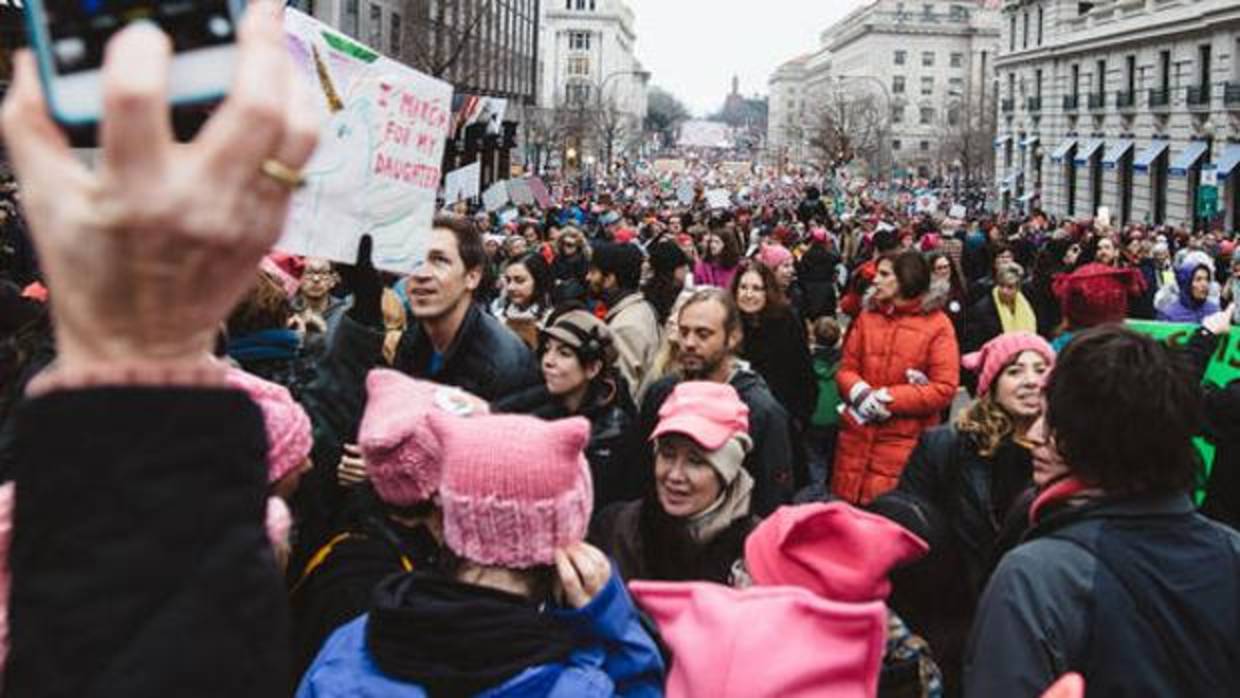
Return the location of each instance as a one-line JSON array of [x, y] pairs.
[[520, 193], [496, 196], [1223, 368], [539, 189], [463, 183], [377, 167]]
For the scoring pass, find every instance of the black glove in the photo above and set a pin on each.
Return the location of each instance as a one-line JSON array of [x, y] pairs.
[[364, 282]]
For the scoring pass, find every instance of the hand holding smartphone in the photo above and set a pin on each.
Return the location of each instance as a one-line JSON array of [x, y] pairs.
[[69, 38]]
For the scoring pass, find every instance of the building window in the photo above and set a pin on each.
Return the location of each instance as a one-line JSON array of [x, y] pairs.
[[579, 41], [895, 145], [1164, 70], [927, 59], [1130, 75], [901, 57], [1204, 65], [897, 84], [953, 116], [1076, 81], [579, 66], [394, 33], [1101, 80], [577, 93], [957, 59], [925, 146], [1040, 25], [374, 27], [956, 84], [348, 23], [927, 85], [897, 114], [1012, 33], [927, 116]]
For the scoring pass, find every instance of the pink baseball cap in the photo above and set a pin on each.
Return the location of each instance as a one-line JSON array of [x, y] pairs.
[[709, 413]]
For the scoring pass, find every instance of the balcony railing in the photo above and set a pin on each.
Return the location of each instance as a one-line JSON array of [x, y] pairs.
[[1199, 96], [1008, 105], [1034, 104], [1071, 102], [1126, 100], [1231, 95], [1097, 100], [1160, 99]]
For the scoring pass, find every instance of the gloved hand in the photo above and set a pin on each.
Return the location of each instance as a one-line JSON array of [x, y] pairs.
[[363, 280], [860, 391], [915, 377], [874, 406]]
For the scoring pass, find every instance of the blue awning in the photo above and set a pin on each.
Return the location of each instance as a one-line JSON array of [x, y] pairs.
[[1002, 141], [1228, 160], [1064, 148], [1088, 151], [1030, 142], [1151, 153], [1115, 153], [1188, 158]]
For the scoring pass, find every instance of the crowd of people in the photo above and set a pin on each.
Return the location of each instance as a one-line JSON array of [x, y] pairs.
[[821, 440]]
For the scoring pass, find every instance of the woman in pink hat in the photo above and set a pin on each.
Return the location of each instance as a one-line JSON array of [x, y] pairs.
[[693, 525], [964, 479]]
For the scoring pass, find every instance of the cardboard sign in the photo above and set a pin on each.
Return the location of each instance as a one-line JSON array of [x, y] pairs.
[[463, 183], [958, 211], [539, 189], [376, 169], [670, 166], [519, 192], [685, 193], [496, 196], [718, 198]]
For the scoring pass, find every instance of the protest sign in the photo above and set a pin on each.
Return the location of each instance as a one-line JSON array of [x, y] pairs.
[[376, 169], [670, 166], [539, 189], [685, 194], [718, 198], [496, 196], [958, 212], [463, 183], [519, 192], [1223, 368]]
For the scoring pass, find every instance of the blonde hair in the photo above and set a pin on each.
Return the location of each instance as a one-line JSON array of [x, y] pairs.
[[988, 424]]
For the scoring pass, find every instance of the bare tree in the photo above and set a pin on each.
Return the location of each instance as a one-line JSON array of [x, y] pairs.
[[453, 40], [611, 126], [543, 135], [968, 139], [844, 126]]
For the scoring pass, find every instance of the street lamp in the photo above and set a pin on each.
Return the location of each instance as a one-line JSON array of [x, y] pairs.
[[886, 135]]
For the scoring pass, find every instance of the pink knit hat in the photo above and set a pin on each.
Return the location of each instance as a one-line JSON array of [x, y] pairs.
[[825, 647], [289, 438], [771, 256], [834, 550], [707, 412], [514, 488], [402, 454], [1001, 351]]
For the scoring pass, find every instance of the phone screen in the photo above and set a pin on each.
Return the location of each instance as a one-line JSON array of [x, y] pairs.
[[79, 29]]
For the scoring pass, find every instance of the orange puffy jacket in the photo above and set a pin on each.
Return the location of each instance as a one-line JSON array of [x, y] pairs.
[[882, 344]]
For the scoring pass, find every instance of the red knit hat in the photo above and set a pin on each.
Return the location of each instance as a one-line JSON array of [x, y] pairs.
[[835, 550], [1001, 351], [514, 488], [289, 437], [1096, 294]]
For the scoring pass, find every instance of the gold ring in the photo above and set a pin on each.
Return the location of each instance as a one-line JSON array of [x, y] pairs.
[[282, 174]]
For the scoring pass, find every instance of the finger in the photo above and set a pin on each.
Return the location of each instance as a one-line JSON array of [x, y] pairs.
[[300, 135], [568, 578], [136, 130], [31, 137], [353, 449], [249, 125]]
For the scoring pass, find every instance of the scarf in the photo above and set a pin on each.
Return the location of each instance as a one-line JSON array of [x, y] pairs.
[[732, 506], [457, 639], [264, 345], [1018, 319]]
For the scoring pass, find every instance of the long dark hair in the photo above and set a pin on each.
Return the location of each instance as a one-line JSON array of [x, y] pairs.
[[776, 302], [540, 272], [731, 253]]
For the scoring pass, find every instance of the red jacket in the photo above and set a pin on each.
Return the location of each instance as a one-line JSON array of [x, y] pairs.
[[882, 344]]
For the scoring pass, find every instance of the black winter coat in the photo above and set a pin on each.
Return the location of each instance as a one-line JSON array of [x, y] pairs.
[[485, 359], [1141, 596], [962, 507], [140, 563], [613, 420], [1222, 406], [981, 324], [771, 463], [776, 349], [816, 276]]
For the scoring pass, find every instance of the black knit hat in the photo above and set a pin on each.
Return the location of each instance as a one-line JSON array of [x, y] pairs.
[[666, 257]]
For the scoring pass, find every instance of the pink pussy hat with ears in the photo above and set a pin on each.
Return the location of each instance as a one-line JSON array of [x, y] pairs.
[[289, 436], [765, 641], [1001, 351], [834, 550], [402, 454], [514, 488]]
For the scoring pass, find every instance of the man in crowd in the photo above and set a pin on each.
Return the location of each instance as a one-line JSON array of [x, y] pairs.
[[453, 342], [614, 277], [710, 335]]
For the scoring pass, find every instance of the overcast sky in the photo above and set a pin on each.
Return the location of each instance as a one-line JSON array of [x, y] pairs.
[[694, 47]]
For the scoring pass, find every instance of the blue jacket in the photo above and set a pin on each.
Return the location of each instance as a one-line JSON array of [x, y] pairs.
[[615, 657]]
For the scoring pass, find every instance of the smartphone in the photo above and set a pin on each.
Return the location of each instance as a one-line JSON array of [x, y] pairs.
[[69, 37]]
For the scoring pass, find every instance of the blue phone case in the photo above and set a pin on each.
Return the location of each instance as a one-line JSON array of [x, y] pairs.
[[36, 33]]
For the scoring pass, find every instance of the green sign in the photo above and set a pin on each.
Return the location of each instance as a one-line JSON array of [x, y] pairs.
[[1224, 366], [1207, 201]]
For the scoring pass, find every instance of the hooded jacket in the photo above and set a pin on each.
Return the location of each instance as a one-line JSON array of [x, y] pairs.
[[1185, 308], [609, 652], [883, 343]]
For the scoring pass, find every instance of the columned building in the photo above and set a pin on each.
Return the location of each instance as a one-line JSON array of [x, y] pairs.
[[1128, 105]]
